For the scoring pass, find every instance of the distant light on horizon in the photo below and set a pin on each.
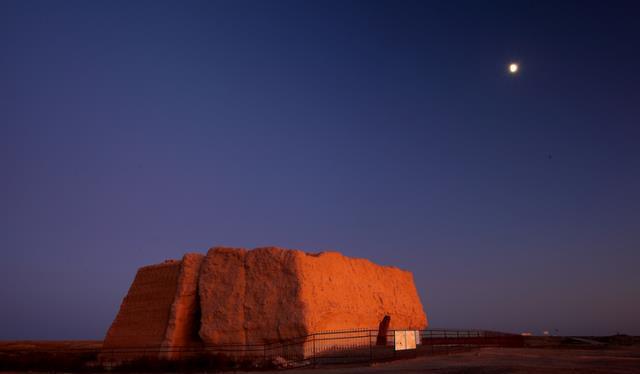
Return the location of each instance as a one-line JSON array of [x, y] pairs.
[[513, 68]]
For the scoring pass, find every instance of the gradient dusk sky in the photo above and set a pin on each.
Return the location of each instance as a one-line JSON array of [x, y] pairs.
[[135, 131]]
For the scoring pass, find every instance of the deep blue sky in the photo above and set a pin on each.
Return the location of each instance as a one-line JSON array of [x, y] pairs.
[[132, 132]]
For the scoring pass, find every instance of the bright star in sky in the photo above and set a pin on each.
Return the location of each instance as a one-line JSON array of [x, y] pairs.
[[513, 68]]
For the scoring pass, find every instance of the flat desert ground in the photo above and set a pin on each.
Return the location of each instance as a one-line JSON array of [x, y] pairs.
[[505, 360], [541, 356]]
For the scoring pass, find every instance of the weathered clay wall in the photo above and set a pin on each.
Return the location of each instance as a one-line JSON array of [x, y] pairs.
[[266, 295], [144, 313], [222, 290], [161, 311], [273, 294], [275, 311], [250, 297], [184, 317], [341, 293]]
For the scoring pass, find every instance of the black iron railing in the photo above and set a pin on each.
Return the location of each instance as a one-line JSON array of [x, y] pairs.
[[328, 347]]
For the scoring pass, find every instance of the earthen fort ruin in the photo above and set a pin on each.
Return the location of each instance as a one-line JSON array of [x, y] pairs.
[[265, 295]]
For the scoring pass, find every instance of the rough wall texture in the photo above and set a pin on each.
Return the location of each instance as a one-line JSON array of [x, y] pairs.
[[342, 293], [250, 297], [184, 316], [144, 313], [273, 294], [161, 310], [222, 296], [266, 295]]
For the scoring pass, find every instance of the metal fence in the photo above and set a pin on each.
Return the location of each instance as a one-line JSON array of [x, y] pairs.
[[322, 348]]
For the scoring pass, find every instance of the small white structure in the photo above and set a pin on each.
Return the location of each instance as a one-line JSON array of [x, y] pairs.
[[406, 339]]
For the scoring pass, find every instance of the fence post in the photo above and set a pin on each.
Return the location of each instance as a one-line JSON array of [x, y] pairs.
[[394, 344], [370, 349], [314, 350]]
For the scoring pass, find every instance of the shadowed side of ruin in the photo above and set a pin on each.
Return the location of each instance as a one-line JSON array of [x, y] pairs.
[[160, 312], [143, 316], [184, 317]]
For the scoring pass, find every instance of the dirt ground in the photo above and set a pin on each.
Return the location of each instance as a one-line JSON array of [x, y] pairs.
[[541, 356], [28, 345], [506, 360]]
